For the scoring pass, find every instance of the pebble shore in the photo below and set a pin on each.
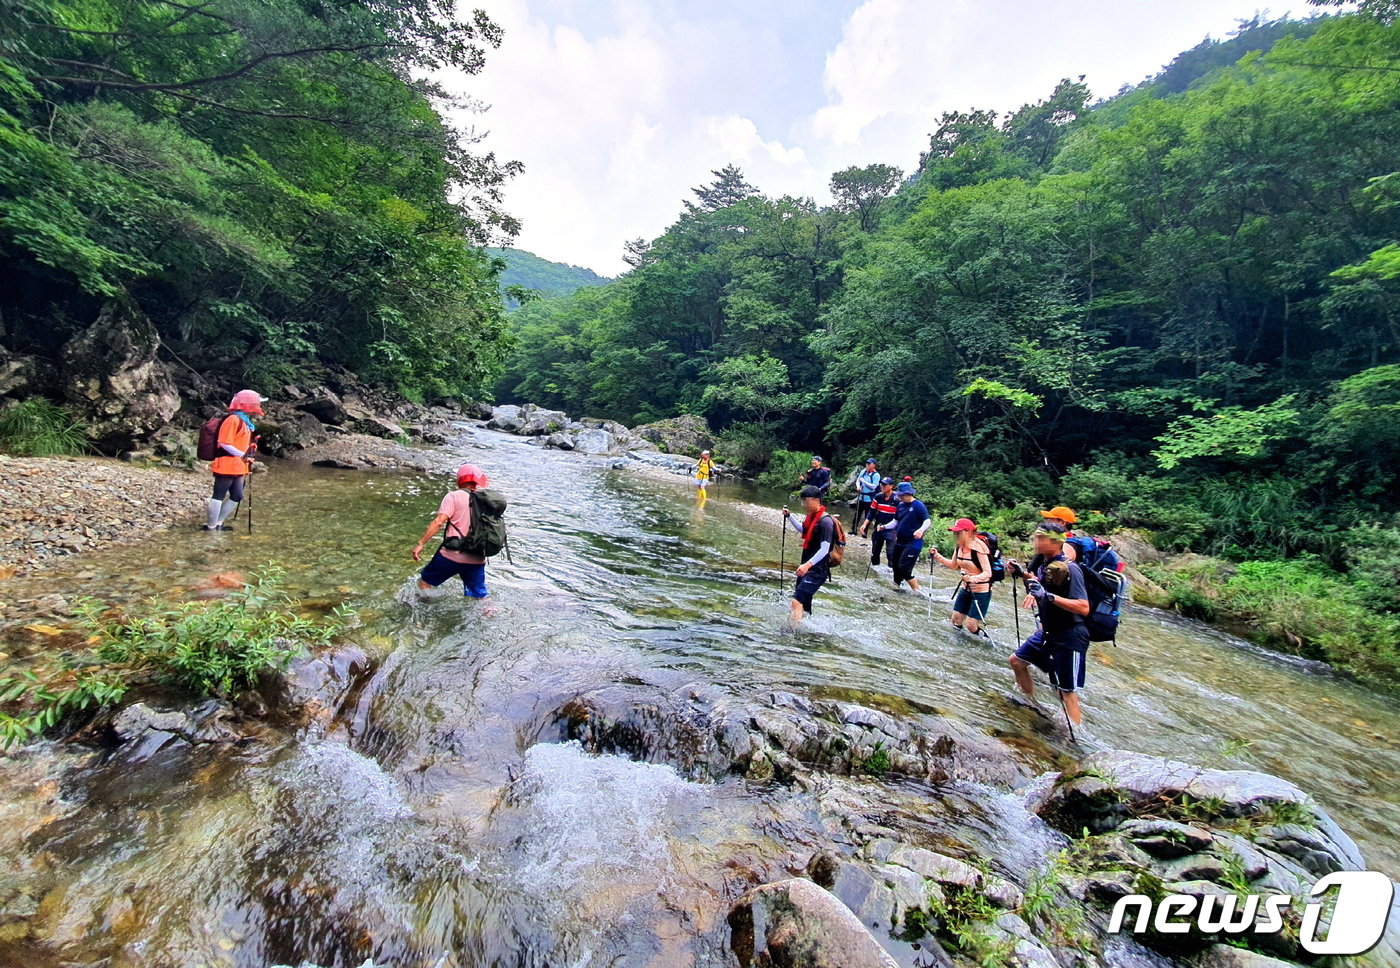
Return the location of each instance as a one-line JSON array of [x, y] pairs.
[[51, 507]]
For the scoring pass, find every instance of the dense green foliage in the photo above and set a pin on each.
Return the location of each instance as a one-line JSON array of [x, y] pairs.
[[542, 278], [40, 428], [213, 648], [1178, 308], [270, 182]]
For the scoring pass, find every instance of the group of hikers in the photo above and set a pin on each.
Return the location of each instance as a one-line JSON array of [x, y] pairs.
[[1073, 583]]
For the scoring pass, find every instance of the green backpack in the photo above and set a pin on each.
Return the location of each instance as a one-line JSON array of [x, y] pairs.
[[487, 534]]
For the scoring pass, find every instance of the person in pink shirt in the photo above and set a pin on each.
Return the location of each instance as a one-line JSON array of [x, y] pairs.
[[454, 518]]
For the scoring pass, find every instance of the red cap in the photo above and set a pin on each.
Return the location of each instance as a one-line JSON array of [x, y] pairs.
[[468, 473], [963, 524], [908, 478]]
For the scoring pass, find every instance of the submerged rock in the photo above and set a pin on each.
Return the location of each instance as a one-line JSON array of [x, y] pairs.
[[796, 924]]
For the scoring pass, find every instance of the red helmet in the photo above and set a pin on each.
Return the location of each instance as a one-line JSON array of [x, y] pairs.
[[470, 473], [248, 401]]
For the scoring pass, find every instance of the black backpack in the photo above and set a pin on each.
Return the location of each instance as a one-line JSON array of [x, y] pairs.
[[998, 566], [486, 535]]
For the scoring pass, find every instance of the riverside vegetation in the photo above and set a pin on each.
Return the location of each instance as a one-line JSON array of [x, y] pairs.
[[1175, 308]]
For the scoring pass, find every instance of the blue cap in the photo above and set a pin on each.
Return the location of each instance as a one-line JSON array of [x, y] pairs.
[[887, 480], [904, 488], [870, 460]]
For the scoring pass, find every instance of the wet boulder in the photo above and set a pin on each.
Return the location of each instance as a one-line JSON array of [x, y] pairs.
[[796, 924], [113, 381]]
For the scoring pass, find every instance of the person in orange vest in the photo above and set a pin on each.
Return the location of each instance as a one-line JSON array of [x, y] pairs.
[[235, 460]]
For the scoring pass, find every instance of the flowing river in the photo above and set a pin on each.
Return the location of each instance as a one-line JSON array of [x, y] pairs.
[[445, 819]]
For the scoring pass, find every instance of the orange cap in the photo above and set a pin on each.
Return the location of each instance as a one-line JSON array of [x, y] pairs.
[[1061, 513]]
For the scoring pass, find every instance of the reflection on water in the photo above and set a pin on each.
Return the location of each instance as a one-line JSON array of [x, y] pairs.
[[432, 824]]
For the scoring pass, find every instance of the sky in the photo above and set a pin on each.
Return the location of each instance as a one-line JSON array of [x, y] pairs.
[[617, 108]]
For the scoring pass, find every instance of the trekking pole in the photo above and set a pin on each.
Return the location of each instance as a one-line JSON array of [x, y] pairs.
[[248, 484], [1059, 692], [782, 561], [1016, 607]]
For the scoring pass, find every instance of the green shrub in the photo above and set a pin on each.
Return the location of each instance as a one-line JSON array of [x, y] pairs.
[[784, 468], [1303, 606], [214, 648], [746, 447], [1372, 555], [41, 428]]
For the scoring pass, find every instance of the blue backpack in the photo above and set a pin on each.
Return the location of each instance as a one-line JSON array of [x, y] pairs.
[[998, 566], [1105, 584]]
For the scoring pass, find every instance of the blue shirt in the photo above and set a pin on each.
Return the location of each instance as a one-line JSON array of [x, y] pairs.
[[817, 477], [868, 483], [911, 516]]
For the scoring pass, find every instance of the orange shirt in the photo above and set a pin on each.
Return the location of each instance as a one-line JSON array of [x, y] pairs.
[[234, 432]]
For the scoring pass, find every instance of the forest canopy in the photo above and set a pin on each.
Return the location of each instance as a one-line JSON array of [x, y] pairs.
[[273, 184], [1178, 306]]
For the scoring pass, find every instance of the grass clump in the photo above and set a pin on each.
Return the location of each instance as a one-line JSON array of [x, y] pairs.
[[215, 648], [41, 428]]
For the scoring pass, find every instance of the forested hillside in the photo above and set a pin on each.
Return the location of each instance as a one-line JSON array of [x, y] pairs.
[[540, 276], [1180, 310], [271, 184]]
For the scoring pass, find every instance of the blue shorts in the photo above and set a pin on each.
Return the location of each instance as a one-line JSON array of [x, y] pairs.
[[972, 604], [1061, 657], [807, 586], [473, 577]]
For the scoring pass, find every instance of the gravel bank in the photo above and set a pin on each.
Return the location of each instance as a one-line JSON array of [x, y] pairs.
[[55, 506]]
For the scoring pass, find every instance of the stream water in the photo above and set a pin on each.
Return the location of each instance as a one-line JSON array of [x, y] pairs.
[[445, 820]]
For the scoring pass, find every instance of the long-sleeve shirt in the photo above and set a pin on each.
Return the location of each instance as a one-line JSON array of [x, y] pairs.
[[817, 477], [235, 437], [911, 516], [868, 483]]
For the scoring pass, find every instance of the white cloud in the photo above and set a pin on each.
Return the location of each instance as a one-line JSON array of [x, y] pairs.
[[617, 114]]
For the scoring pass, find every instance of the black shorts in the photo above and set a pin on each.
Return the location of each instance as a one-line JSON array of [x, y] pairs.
[[808, 585], [1061, 656]]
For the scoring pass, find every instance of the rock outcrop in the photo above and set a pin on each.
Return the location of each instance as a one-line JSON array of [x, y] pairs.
[[113, 381], [686, 434]]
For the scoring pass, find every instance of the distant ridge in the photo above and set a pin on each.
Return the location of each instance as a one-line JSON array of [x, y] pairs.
[[545, 277]]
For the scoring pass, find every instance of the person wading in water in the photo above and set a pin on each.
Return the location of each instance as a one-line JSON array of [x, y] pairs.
[[1058, 647], [867, 484], [910, 523], [454, 518], [818, 532], [973, 558], [234, 462]]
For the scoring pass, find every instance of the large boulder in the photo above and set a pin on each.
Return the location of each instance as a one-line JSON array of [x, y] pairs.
[[323, 404], [286, 430], [24, 376], [540, 422], [113, 381], [686, 434], [1112, 786], [596, 442], [796, 924], [506, 417]]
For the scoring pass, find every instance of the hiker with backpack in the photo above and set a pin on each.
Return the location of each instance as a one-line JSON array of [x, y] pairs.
[[911, 521], [473, 530], [867, 484], [816, 476], [979, 561], [1056, 590], [227, 442], [1063, 519], [822, 543]]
